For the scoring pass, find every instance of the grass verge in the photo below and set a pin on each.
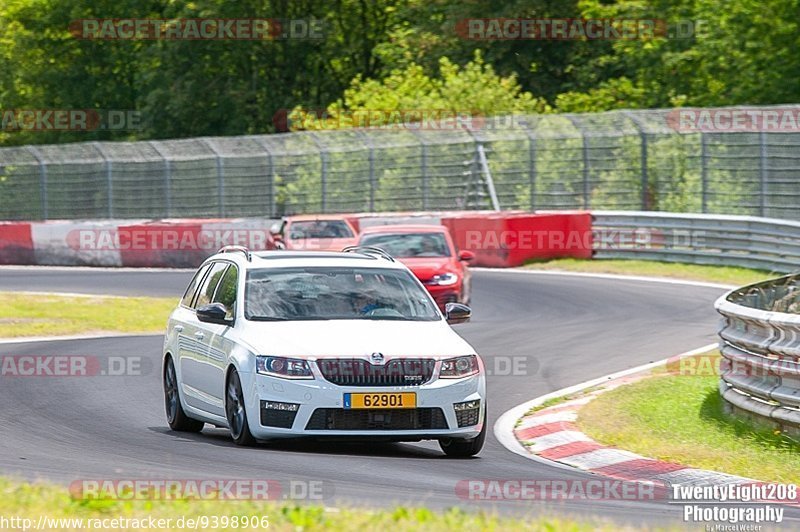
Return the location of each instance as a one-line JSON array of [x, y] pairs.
[[24, 314], [691, 272], [680, 418], [30, 501]]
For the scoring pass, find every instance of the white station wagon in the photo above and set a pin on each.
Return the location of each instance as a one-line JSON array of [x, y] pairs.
[[282, 344]]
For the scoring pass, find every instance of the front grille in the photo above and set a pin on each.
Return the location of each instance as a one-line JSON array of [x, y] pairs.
[[384, 419], [358, 372]]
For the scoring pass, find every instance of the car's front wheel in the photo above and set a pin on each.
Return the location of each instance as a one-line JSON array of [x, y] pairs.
[[235, 411], [176, 417], [457, 448]]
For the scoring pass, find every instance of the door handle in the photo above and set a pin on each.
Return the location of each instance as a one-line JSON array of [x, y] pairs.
[[178, 328], [199, 335]]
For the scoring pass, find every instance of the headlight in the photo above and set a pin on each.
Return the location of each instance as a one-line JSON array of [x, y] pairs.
[[285, 368], [444, 279], [456, 368]]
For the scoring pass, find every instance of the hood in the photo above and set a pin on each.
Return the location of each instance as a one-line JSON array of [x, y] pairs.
[[356, 339], [426, 267]]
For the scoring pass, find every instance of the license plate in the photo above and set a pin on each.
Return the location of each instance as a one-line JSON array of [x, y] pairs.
[[380, 400]]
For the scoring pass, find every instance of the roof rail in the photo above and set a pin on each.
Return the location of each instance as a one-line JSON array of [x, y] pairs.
[[369, 250], [237, 249]]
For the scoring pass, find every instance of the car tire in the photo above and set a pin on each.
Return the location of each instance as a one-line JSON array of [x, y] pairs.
[[176, 417], [235, 411], [456, 448]]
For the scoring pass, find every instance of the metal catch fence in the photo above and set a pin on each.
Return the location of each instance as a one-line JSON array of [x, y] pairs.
[[620, 160]]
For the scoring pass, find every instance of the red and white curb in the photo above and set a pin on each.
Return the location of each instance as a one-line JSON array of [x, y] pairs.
[[551, 436]]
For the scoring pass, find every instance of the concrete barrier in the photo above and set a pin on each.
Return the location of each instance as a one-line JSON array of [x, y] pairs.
[[503, 241], [16, 243], [499, 239], [76, 243]]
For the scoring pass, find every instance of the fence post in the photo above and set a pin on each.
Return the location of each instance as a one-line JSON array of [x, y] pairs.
[[220, 178], [42, 178], [109, 178], [585, 151], [423, 167], [167, 178], [703, 173], [489, 179], [762, 167], [323, 158], [373, 185], [270, 174], [531, 164], [643, 159]]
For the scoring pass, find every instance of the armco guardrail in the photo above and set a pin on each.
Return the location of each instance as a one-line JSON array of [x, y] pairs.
[[760, 345], [747, 241]]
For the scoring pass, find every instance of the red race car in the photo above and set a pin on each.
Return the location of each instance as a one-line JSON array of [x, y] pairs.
[[314, 233], [428, 251]]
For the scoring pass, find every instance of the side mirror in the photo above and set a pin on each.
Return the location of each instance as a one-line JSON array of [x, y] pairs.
[[275, 229], [457, 313], [466, 256], [213, 313]]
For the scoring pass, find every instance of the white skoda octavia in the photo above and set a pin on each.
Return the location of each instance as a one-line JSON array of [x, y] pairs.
[[302, 344]]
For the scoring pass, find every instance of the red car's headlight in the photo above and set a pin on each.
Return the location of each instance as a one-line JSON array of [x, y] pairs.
[[456, 368], [443, 279]]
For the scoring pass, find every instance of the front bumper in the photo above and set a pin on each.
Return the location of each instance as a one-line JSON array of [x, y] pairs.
[[321, 404]]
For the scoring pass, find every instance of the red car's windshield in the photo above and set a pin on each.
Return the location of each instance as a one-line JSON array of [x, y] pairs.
[[320, 229], [408, 245]]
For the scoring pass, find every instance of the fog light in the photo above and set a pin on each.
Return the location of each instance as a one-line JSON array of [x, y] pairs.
[[281, 415], [467, 413], [289, 407], [468, 405]]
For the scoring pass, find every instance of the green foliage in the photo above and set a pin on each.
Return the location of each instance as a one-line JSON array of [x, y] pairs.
[[474, 90], [388, 55]]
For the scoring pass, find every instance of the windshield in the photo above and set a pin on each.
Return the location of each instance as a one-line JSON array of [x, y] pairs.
[[320, 229], [321, 293], [408, 245]]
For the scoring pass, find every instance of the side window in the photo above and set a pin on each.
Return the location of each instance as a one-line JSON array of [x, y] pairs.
[[188, 296], [226, 291], [206, 293]]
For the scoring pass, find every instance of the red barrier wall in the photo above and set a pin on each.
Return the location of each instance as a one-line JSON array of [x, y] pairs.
[[16, 243], [498, 239], [501, 240], [144, 245]]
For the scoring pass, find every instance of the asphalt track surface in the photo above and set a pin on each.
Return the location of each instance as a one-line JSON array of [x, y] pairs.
[[560, 330]]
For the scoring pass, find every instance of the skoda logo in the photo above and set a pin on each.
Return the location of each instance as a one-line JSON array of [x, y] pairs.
[[377, 358]]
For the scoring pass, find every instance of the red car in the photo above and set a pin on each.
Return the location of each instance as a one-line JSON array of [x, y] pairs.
[[314, 233], [429, 252]]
